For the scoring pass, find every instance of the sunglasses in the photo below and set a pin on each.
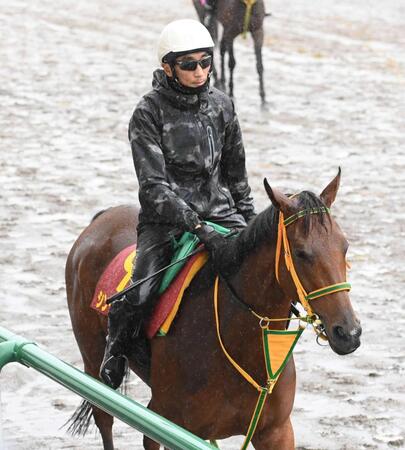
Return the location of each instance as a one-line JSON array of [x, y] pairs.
[[191, 64]]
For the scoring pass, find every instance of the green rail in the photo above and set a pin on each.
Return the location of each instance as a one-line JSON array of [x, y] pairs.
[[14, 348]]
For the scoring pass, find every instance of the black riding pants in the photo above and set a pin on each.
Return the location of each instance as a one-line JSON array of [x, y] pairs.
[[155, 251]]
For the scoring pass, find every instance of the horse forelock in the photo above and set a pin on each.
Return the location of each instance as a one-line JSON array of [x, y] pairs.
[[306, 201]]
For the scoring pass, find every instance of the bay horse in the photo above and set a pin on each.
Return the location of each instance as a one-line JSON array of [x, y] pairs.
[[231, 14], [192, 382]]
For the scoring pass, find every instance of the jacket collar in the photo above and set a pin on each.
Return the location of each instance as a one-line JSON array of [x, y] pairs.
[[182, 100]]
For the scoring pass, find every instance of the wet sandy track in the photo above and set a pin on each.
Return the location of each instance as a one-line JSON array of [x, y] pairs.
[[335, 77]]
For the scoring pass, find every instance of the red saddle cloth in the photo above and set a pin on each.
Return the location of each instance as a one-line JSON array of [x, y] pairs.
[[117, 276]]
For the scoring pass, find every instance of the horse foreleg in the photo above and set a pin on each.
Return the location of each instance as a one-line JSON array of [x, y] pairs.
[[213, 28], [258, 43], [279, 437], [231, 64], [223, 51], [215, 74], [150, 444]]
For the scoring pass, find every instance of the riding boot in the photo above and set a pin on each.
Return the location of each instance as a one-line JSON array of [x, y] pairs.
[[124, 325], [125, 319]]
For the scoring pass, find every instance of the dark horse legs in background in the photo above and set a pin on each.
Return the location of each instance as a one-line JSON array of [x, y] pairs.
[[231, 14], [258, 36], [227, 47]]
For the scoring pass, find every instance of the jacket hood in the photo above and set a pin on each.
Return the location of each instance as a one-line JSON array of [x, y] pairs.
[[182, 100]]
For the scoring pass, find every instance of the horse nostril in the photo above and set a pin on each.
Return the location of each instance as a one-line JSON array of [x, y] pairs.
[[342, 334], [339, 332]]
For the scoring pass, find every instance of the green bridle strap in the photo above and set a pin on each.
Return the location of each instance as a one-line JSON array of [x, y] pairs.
[[345, 286], [304, 212], [255, 418]]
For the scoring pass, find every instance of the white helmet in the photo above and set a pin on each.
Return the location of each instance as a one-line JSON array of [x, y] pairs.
[[183, 35]]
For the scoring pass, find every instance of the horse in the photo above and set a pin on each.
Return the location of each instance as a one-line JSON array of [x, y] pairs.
[[192, 381], [233, 14]]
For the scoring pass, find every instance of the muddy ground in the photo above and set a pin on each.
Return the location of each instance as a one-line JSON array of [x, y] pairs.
[[70, 76]]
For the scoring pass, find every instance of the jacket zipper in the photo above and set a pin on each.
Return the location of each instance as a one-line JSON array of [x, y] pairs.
[[211, 143]]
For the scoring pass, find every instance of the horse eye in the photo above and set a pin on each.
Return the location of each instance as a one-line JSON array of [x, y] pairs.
[[302, 254]]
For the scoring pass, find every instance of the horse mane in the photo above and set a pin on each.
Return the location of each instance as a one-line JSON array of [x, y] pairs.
[[263, 228]]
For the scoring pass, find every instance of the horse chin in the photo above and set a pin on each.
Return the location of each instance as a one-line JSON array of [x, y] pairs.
[[342, 341]]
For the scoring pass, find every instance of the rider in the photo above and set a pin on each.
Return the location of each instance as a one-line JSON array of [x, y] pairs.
[[190, 162]]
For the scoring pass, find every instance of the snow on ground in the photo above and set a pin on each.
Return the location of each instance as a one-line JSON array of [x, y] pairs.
[[70, 76]]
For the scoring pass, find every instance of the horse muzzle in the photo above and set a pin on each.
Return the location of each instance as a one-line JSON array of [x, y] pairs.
[[344, 339]]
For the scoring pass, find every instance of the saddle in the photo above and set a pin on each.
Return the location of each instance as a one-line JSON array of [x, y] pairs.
[[175, 281]]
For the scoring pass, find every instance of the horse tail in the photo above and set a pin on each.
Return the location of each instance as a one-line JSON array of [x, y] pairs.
[[98, 214], [80, 420]]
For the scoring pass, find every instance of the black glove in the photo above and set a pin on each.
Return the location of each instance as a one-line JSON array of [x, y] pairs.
[[211, 239]]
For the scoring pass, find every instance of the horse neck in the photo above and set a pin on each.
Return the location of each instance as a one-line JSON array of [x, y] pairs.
[[257, 284]]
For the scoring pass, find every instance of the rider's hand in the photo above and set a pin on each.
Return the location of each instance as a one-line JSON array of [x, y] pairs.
[[211, 239]]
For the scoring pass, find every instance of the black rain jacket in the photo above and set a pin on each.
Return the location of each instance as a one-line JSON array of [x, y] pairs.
[[189, 158]]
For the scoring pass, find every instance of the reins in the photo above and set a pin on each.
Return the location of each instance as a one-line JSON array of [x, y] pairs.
[[290, 337], [121, 293]]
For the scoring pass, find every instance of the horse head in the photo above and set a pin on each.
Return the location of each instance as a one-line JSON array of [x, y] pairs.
[[311, 265]]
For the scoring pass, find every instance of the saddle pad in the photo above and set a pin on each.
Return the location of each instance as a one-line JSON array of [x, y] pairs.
[[117, 276], [114, 279]]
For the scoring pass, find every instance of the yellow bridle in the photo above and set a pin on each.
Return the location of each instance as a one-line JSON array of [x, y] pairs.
[[304, 297]]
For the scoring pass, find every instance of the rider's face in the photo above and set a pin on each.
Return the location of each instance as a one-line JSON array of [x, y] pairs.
[[191, 78]]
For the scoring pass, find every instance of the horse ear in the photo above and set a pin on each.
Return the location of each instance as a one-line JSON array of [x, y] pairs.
[[328, 195], [279, 200]]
